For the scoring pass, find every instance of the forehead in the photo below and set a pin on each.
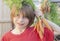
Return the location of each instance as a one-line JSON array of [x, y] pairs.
[[21, 14]]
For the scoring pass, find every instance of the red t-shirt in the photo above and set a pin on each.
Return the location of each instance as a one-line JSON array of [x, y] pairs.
[[29, 35]]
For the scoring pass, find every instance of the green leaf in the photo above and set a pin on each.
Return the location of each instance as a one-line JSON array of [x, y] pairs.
[[18, 3]]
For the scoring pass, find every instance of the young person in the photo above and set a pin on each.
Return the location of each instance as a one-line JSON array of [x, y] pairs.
[[21, 30]]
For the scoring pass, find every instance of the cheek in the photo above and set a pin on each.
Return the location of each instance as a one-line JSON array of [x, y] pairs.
[[26, 21], [14, 20]]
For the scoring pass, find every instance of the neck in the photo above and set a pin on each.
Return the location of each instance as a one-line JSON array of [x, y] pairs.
[[18, 30]]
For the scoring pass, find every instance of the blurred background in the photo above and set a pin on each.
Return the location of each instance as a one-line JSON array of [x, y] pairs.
[[5, 24]]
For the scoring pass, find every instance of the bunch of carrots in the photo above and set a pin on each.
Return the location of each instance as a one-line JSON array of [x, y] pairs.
[[39, 26], [40, 22]]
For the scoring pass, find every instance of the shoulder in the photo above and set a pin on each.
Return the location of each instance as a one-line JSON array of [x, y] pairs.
[[48, 32], [30, 28], [33, 32], [7, 33], [6, 36]]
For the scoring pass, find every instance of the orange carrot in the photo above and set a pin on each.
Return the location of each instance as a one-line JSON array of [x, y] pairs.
[[47, 25], [39, 28]]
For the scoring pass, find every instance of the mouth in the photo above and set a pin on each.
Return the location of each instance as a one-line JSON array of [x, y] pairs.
[[20, 24]]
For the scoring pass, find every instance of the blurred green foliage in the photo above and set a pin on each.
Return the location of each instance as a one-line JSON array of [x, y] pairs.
[[19, 3], [53, 14]]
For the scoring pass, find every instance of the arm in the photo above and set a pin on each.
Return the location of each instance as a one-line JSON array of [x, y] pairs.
[[54, 26]]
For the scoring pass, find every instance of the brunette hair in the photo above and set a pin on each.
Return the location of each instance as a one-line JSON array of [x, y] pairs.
[[26, 10]]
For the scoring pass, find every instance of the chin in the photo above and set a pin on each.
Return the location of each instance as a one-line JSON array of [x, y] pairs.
[[21, 26]]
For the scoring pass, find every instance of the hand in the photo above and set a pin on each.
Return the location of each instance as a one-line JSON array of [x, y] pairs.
[[39, 13]]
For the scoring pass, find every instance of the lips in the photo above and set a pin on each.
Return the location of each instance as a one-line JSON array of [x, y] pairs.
[[20, 24]]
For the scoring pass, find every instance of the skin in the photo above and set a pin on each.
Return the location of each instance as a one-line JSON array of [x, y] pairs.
[[20, 23]]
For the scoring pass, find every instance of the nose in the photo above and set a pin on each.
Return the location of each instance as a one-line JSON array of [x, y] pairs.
[[20, 20]]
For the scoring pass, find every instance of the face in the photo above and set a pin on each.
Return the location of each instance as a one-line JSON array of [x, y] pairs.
[[20, 21]]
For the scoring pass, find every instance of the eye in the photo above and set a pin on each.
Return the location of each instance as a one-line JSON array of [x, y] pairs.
[[16, 14], [25, 18]]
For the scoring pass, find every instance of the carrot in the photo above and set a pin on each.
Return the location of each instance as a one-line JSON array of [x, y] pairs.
[[47, 25], [41, 32], [39, 28]]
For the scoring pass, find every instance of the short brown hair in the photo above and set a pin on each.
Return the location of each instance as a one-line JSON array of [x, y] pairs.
[[27, 11]]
